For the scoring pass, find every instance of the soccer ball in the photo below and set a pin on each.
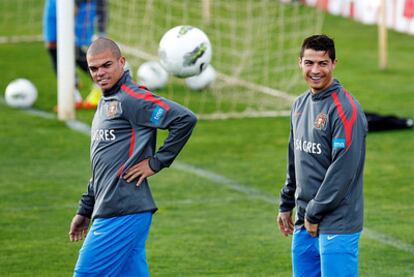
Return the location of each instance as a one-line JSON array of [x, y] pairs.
[[152, 75], [185, 51], [20, 93], [203, 80]]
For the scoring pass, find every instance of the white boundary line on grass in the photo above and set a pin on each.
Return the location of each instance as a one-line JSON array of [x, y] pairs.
[[217, 179], [231, 184], [256, 193]]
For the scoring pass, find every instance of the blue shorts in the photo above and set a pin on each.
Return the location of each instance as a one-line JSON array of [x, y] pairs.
[[84, 22], [49, 21], [115, 247], [326, 255]]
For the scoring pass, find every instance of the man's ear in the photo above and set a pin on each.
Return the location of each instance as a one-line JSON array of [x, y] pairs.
[[300, 62], [122, 61], [334, 63]]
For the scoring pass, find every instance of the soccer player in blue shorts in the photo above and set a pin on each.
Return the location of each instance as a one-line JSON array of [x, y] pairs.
[[326, 155], [123, 155]]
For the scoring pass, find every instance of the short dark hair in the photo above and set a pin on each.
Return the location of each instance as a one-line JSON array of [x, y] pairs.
[[319, 43]]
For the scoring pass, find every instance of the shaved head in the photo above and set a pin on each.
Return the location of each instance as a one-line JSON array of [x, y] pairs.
[[101, 45]]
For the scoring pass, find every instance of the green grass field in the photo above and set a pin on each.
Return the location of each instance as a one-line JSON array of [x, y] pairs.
[[206, 226]]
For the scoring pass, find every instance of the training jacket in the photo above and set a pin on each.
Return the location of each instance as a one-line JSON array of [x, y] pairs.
[[326, 157], [123, 133]]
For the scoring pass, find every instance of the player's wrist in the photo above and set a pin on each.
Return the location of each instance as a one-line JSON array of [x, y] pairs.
[[154, 164]]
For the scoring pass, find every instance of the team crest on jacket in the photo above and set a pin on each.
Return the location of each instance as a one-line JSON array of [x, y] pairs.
[[320, 121], [112, 108]]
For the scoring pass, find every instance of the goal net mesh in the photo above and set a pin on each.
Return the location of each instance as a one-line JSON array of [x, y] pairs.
[[255, 46]]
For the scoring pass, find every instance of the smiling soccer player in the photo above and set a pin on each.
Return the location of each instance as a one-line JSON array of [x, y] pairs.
[[326, 157]]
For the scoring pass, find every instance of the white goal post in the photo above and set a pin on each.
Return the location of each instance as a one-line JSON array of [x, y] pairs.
[[66, 59]]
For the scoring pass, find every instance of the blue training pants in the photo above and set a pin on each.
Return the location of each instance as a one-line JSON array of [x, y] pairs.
[[327, 255], [115, 247]]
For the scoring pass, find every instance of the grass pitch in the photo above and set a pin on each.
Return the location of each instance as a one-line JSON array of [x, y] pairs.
[[205, 227]]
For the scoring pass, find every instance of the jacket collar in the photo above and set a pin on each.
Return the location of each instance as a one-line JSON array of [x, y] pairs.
[[124, 78], [326, 92]]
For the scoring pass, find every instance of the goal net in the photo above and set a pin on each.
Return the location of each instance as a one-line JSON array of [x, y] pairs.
[[20, 21], [255, 46]]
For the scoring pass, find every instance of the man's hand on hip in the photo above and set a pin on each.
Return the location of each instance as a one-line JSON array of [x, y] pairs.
[[139, 171]]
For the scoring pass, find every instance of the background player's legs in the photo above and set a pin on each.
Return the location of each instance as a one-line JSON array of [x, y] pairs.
[[110, 243], [53, 56], [305, 254], [339, 254], [50, 38], [95, 94], [52, 50], [80, 56], [80, 60]]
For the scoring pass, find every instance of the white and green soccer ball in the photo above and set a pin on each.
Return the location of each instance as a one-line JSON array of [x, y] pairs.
[[20, 93], [152, 75], [185, 51], [202, 80]]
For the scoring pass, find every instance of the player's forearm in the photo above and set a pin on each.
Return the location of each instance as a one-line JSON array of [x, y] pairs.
[[340, 177], [179, 132], [287, 194], [87, 202]]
